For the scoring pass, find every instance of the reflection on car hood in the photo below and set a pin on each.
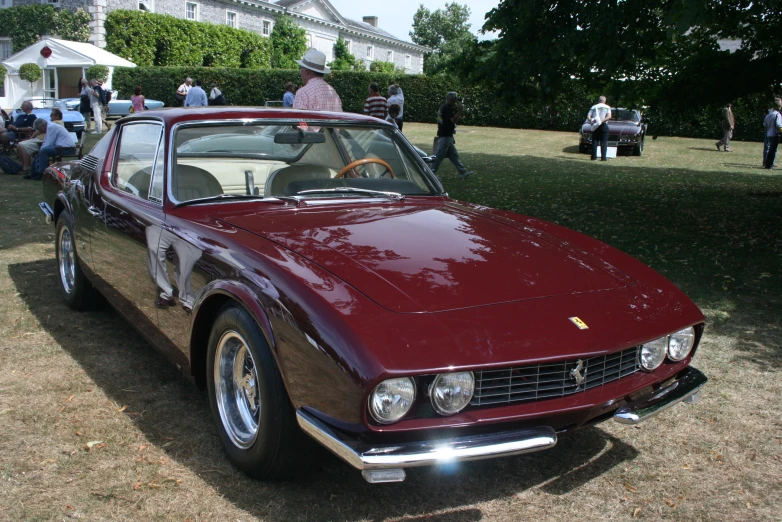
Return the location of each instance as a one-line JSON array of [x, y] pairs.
[[618, 127], [429, 258]]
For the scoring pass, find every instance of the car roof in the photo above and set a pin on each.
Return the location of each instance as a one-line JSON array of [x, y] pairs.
[[173, 115]]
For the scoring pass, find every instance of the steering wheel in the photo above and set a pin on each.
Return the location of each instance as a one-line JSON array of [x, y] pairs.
[[364, 161]]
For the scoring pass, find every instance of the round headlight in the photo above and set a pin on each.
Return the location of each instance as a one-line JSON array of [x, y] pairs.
[[680, 344], [392, 399], [653, 353], [452, 392]]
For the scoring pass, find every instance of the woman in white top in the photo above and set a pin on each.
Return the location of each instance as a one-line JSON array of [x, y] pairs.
[[96, 107]]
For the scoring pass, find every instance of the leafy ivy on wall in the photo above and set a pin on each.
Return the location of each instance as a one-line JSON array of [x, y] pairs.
[[26, 24]]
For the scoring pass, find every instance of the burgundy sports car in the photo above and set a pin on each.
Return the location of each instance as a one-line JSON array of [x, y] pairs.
[[309, 271]]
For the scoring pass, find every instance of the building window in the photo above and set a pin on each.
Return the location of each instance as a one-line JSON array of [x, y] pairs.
[[266, 29], [230, 19], [370, 52], [6, 48], [408, 61], [146, 5], [390, 56], [191, 11], [348, 44], [6, 3], [50, 2]]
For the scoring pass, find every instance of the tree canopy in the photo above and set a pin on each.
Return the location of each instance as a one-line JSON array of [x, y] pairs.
[[289, 43], [671, 48], [446, 31]]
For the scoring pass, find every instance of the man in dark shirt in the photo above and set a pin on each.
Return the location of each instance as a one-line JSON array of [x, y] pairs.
[[449, 116], [23, 123]]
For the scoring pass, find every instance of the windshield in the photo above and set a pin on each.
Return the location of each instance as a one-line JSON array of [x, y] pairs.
[[626, 115], [306, 160]]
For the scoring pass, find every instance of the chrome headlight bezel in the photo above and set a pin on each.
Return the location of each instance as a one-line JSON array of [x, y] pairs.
[[658, 348], [406, 388], [684, 337], [465, 399]]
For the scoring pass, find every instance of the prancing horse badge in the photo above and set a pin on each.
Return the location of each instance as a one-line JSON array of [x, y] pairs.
[[578, 322]]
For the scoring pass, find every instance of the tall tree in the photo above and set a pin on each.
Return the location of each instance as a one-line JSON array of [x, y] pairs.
[[445, 31], [670, 47], [289, 42]]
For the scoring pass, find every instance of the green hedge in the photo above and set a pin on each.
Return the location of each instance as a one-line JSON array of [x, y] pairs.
[[163, 40], [425, 94]]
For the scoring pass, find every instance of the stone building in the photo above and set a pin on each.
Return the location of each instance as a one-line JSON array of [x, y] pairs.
[[323, 23]]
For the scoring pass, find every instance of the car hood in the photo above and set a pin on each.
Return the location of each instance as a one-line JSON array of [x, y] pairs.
[[413, 258]]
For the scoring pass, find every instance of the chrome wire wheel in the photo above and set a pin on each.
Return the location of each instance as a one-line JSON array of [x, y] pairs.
[[237, 389], [67, 260]]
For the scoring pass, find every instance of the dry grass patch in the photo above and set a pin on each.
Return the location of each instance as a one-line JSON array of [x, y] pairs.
[[95, 425]]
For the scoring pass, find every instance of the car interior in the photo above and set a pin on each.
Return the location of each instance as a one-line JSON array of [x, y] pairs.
[[267, 161]]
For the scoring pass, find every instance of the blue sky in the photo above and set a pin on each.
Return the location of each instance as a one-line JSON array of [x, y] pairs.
[[396, 16]]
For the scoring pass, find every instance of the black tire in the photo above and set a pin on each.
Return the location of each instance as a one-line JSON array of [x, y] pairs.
[[639, 148], [279, 448], [77, 292]]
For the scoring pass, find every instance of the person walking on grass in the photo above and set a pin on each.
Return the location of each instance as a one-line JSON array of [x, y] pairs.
[[449, 115], [728, 123], [598, 116], [773, 127]]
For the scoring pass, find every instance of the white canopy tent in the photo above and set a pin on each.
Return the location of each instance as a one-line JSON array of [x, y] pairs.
[[62, 69]]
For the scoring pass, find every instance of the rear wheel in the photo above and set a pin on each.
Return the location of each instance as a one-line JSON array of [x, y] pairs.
[[77, 292], [255, 420]]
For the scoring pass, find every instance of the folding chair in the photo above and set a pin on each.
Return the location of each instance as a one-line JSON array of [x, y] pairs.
[[79, 148]]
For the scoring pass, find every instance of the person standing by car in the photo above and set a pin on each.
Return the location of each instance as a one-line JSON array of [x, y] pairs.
[[316, 94], [85, 103], [728, 123], [289, 97], [450, 114], [598, 116], [95, 105], [773, 127], [375, 106], [103, 98], [137, 100], [395, 97], [196, 97]]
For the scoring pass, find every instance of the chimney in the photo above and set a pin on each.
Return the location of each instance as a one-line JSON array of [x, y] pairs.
[[371, 20]]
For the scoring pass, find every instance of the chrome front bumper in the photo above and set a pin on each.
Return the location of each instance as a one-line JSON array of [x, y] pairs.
[[48, 213], [426, 453], [685, 388]]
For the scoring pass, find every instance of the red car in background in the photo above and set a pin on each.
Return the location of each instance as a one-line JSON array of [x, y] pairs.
[[309, 271]]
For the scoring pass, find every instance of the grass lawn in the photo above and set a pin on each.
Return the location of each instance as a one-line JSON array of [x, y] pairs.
[[95, 425]]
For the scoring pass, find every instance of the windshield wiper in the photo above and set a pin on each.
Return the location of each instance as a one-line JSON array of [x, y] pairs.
[[220, 197], [353, 190]]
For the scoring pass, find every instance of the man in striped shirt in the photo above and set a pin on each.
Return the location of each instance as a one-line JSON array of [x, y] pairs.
[[375, 105], [316, 93]]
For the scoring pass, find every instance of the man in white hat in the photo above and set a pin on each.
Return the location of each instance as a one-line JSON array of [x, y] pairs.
[[316, 93]]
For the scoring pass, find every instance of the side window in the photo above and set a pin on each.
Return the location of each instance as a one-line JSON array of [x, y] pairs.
[[136, 156]]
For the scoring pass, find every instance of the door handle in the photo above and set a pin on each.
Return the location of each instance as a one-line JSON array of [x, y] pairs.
[[95, 211]]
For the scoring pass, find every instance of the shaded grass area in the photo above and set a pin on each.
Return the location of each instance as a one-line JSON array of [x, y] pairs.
[[95, 424]]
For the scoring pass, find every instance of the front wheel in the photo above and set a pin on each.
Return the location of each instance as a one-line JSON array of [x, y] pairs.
[[255, 420], [77, 292], [639, 148]]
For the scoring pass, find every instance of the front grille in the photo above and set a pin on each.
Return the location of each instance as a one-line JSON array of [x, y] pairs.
[[547, 381]]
